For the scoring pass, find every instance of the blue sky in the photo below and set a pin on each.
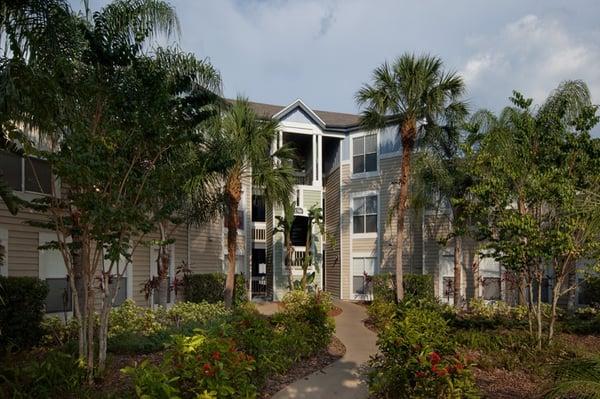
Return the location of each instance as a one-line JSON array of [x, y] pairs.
[[275, 51]]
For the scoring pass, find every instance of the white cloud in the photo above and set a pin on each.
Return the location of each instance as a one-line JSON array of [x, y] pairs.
[[533, 55]]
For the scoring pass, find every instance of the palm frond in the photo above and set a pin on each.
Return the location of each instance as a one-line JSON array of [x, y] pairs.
[[577, 378]]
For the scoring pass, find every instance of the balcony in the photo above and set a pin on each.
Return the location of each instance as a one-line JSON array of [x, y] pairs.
[[259, 231], [303, 177]]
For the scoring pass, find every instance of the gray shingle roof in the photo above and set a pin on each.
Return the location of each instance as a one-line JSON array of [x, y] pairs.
[[331, 119]]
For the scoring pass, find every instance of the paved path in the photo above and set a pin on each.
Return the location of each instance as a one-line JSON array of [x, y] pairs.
[[341, 379]]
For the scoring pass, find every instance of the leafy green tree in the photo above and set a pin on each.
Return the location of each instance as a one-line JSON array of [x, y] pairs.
[[247, 140], [413, 94], [536, 179], [116, 116]]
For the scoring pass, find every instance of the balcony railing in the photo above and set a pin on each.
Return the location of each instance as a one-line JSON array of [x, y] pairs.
[[259, 231], [303, 177]]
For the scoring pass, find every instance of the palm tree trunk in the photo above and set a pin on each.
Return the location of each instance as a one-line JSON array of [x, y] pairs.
[[162, 264], [408, 133], [457, 271], [233, 193]]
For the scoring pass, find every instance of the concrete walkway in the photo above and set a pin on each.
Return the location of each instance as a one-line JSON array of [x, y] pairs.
[[343, 378]]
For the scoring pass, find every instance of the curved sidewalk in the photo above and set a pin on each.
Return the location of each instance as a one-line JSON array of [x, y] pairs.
[[341, 379]]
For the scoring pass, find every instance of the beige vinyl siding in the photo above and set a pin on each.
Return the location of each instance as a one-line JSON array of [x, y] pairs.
[[142, 261], [311, 198], [23, 242], [206, 247], [332, 226]]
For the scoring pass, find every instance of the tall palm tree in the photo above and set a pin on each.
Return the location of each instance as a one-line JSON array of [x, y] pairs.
[[412, 93], [247, 140]]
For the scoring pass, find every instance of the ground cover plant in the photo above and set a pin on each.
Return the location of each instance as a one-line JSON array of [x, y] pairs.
[[197, 350], [491, 341]]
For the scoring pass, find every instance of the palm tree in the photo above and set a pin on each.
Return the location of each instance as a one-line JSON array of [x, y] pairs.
[[413, 94], [284, 225], [247, 140]]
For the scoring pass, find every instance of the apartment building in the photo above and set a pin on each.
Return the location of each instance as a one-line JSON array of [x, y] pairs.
[[349, 172]]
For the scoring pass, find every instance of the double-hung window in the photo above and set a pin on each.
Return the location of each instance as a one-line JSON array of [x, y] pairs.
[[26, 174], [363, 269], [364, 154], [53, 270], [364, 215]]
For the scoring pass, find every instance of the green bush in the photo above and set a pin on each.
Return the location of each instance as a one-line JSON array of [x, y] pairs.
[[418, 286], [197, 365], [57, 332], [417, 358], [209, 288], [136, 329], [57, 374], [576, 378], [21, 310]]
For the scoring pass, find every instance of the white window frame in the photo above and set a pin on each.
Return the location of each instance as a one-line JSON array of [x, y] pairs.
[[153, 272], [128, 275], [359, 195], [489, 273], [43, 238], [445, 252], [362, 175], [376, 268], [4, 242]]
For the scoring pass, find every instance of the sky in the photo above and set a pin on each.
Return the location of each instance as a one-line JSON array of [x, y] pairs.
[[322, 51]]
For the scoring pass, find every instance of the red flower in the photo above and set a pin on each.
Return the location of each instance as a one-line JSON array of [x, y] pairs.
[[208, 370], [459, 366], [439, 372], [419, 374], [434, 358], [216, 355]]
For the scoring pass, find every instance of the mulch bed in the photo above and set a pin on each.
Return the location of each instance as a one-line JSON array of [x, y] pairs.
[[303, 369], [504, 384]]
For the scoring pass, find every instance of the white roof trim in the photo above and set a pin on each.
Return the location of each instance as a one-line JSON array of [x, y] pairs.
[[300, 104]]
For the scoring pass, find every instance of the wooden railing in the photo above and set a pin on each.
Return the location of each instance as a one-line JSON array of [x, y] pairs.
[[259, 231]]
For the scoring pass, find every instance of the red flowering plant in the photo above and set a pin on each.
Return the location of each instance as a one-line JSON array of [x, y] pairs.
[[204, 363], [418, 358]]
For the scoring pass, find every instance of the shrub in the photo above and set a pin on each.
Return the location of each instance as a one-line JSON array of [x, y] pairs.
[[381, 313], [135, 329], [132, 319], [312, 310], [57, 332], [417, 358], [416, 286], [21, 310], [57, 374], [209, 288], [189, 313], [197, 365]]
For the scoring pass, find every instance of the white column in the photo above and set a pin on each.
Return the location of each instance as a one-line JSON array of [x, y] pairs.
[[314, 159], [319, 158]]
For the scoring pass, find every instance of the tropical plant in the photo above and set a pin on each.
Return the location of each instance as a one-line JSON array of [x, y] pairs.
[[285, 224], [414, 94], [536, 187], [247, 140], [576, 378]]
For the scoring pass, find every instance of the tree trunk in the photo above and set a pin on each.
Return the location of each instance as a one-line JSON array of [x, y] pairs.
[[408, 134], [233, 194], [162, 265], [457, 271], [555, 297], [539, 312], [289, 256], [475, 269], [103, 330]]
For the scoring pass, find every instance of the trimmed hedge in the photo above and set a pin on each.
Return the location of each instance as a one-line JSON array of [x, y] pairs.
[[209, 287], [21, 310], [416, 286]]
